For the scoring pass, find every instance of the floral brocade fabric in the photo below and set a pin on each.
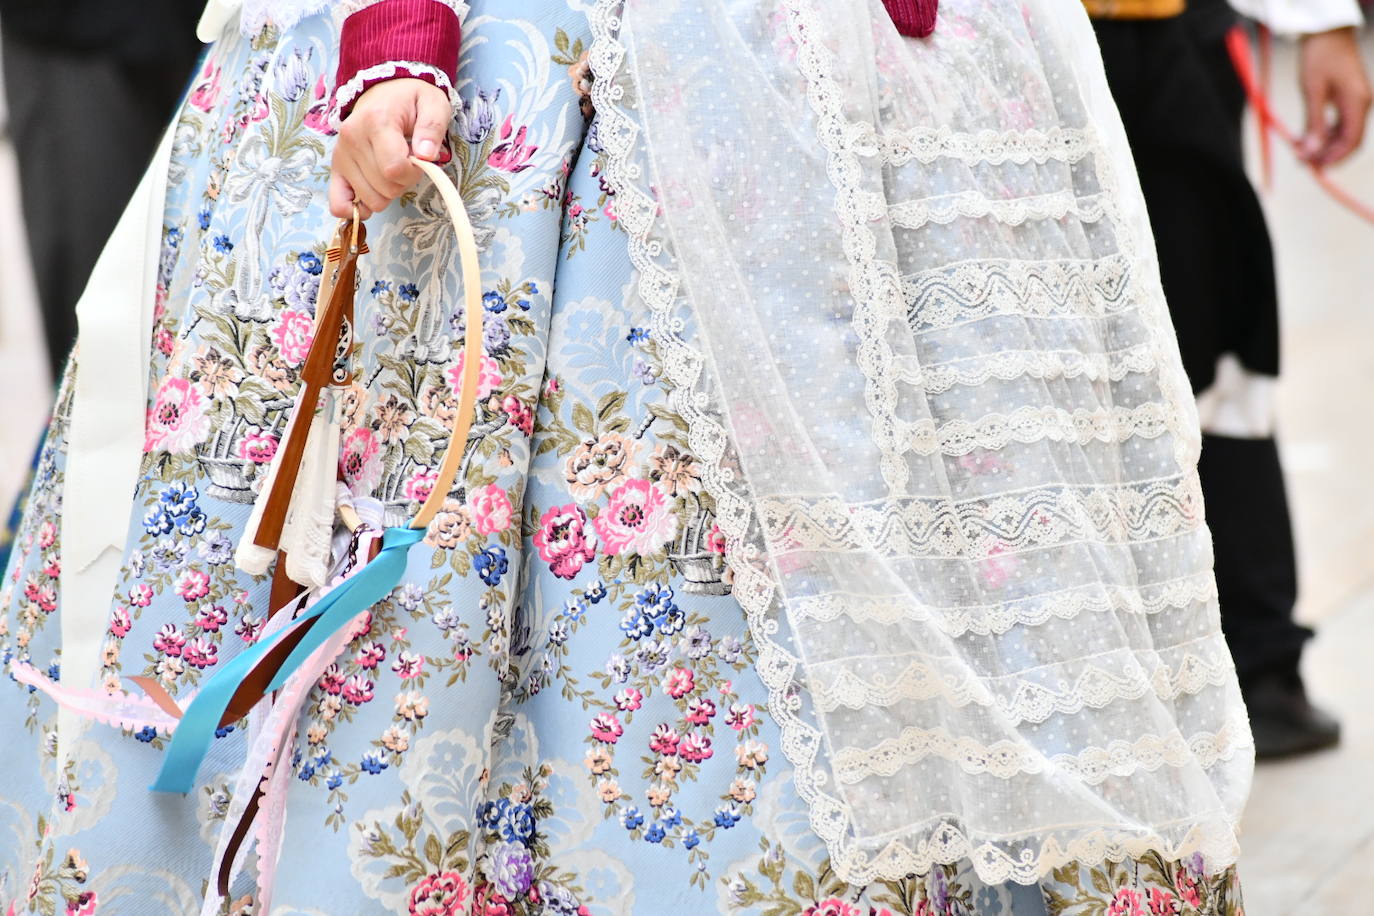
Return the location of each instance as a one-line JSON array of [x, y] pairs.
[[557, 711]]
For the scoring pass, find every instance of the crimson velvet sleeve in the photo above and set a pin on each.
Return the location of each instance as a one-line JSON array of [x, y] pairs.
[[396, 38]]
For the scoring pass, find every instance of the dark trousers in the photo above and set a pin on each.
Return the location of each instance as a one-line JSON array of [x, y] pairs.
[[1182, 106], [84, 126]]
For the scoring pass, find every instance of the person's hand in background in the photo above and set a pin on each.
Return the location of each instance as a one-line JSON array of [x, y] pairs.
[[1336, 91]]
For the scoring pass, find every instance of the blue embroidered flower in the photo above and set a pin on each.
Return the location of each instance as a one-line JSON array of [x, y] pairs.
[[157, 521], [517, 824], [178, 499], [146, 734], [380, 287], [636, 624], [408, 292], [223, 731], [727, 816], [631, 819], [490, 814], [670, 816], [192, 522], [222, 244], [638, 336], [334, 780], [690, 839], [491, 564], [374, 762], [55, 671], [671, 621], [310, 263], [203, 218], [574, 608], [494, 302], [655, 833], [595, 592]]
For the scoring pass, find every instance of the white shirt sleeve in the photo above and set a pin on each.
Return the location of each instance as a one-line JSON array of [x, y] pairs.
[[1301, 17]]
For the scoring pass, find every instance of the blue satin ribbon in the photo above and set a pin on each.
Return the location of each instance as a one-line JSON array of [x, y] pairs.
[[193, 734]]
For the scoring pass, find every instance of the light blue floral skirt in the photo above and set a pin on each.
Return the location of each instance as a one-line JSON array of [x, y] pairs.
[[557, 712]]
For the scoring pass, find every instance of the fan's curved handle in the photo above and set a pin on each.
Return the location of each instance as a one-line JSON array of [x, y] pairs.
[[472, 343]]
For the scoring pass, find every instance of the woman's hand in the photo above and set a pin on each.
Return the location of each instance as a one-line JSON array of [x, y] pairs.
[[390, 122]]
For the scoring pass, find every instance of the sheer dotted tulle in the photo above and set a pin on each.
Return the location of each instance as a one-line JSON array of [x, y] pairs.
[[907, 296]]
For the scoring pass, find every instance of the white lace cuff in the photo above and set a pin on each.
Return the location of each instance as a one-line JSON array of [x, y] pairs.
[[346, 95]]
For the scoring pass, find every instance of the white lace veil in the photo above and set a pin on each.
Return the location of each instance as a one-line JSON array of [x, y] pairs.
[[907, 297]]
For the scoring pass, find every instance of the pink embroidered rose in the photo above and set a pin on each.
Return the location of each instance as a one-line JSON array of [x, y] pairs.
[[177, 421], [141, 595], [606, 728], [293, 333], [408, 665], [638, 520], [211, 618], [563, 540], [47, 535], [120, 622], [421, 484], [1187, 887], [1126, 903], [701, 711], [193, 585], [680, 682], [82, 904], [740, 716], [169, 640], [520, 416], [512, 154], [358, 689], [332, 681], [439, 894], [491, 509], [664, 740], [360, 461], [258, 446], [695, 748], [322, 106], [715, 541], [1161, 902], [833, 906], [628, 700], [201, 653], [206, 92], [165, 341], [488, 376]]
